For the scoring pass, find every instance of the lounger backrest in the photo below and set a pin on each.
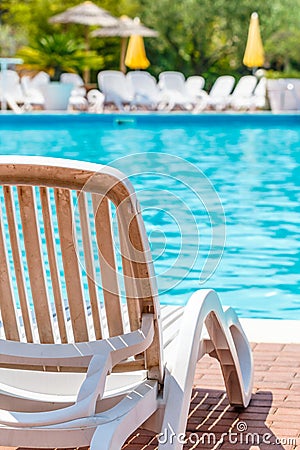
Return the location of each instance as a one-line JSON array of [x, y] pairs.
[[245, 86], [9, 78], [10, 85], [172, 80], [40, 79], [195, 83], [114, 84], [143, 83], [73, 78], [56, 221], [33, 85], [261, 87], [222, 86]]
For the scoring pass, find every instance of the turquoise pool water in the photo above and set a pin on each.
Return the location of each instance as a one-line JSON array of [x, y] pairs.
[[253, 163]]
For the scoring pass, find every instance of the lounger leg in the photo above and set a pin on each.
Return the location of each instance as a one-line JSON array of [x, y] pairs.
[[126, 417], [235, 357], [230, 344], [179, 383]]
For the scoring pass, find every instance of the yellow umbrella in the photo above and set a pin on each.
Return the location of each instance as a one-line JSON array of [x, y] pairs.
[[254, 53], [136, 56], [125, 28]]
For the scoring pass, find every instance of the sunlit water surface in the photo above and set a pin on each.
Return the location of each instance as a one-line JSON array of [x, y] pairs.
[[252, 164]]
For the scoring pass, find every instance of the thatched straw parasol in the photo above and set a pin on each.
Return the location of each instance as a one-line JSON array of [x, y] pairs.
[[125, 28], [89, 14]]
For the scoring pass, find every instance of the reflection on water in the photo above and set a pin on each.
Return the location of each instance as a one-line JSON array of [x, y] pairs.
[[255, 171]]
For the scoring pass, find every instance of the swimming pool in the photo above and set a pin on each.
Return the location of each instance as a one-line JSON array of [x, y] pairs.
[[252, 162]]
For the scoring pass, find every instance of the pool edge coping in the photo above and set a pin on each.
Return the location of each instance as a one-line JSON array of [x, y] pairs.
[[272, 330]]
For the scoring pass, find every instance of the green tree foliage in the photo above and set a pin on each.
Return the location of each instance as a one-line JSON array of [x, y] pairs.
[[282, 37], [201, 36], [10, 40], [195, 36]]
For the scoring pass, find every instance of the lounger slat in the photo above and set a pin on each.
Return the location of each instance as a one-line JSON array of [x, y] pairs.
[[65, 220], [54, 273], [137, 253], [171, 317], [7, 306], [89, 263], [19, 271], [145, 290], [109, 276], [133, 304], [35, 264]]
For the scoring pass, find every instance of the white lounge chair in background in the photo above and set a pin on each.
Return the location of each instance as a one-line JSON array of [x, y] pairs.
[[139, 359], [258, 99], [32, 88], [218, 96], [95, 100], [78, 98], [10, 90], [174, 88], [243, 92], [195, 84], [172, 80], [40, 79], [116, 88], [146, 90], [195, 88], [76, 80]]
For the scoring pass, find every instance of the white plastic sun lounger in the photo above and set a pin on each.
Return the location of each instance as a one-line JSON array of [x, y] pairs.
[[195, 85], [116, 88], [146, 90], [178, 91], [11, 92], [78, 95], [79, 365], [255, 100], [242, 92], [219, 95], [32, 88]]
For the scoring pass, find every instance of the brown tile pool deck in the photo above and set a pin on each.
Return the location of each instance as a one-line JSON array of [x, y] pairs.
[[272, 420]]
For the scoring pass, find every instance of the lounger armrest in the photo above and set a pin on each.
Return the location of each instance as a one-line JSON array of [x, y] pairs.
[[79, 354], [92, 388]]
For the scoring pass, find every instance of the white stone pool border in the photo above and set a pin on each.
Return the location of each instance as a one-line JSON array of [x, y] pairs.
[[272, 331]]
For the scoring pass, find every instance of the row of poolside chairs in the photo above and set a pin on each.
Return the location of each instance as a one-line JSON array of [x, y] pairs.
[[138, 89], [26, 93], [172, 90]]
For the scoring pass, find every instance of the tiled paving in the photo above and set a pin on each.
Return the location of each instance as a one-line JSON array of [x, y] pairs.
[[272, 421]]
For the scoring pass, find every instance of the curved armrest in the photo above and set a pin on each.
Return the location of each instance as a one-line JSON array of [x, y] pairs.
[[78, 354], [110, 353]]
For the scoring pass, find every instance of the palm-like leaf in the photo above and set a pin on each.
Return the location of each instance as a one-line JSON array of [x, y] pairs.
[[58, 53]]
